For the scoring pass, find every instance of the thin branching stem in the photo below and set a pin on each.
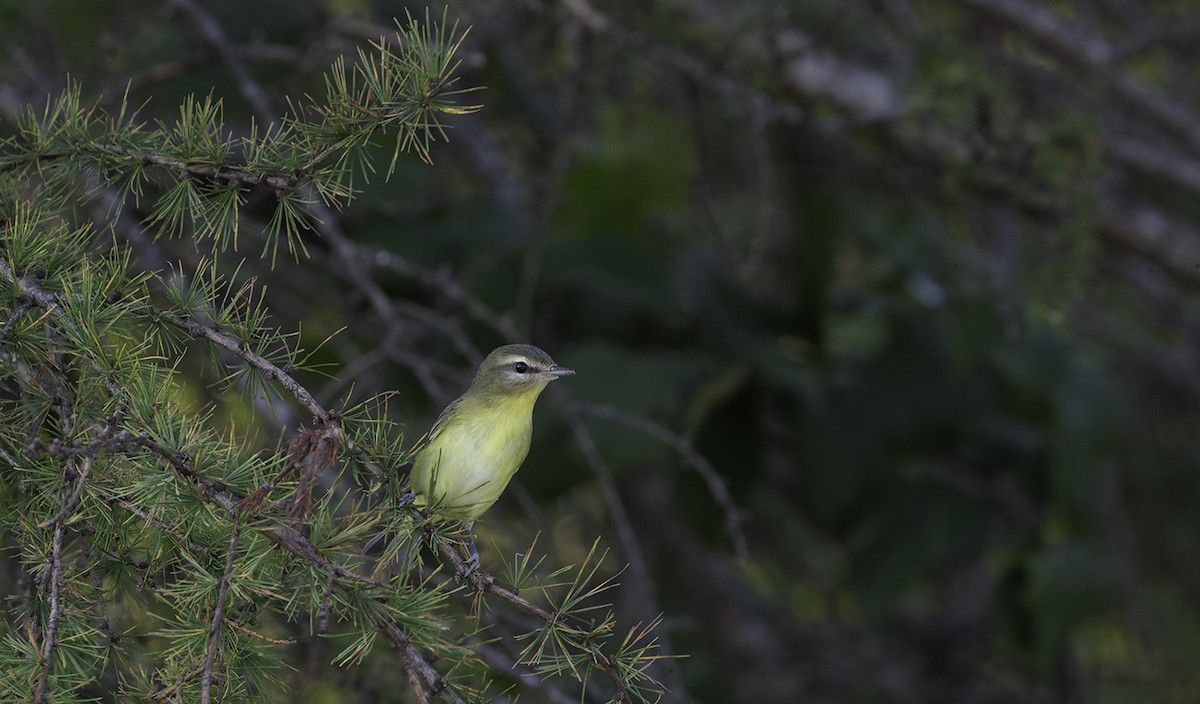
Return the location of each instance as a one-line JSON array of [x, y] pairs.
[[41, 691], [218, 617], [485, 583], [717, 486], [427, 681]]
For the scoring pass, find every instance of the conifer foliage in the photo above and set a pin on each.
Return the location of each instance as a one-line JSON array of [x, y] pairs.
[[166, 551]]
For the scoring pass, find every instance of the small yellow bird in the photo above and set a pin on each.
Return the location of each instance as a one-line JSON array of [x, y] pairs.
[[479, 441]]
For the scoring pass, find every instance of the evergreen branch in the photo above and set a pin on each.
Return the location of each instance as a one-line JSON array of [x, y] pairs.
[[123, 439], [23, 306], [285, 537], [231, 175], [34, 296], [300, 546], [405, 90], [255, 634], [177, 685], [73, 501], [425, 680], [33, 293], [214, 630], [41, 692], [52, 304], [241, 350], [56, 379], [88, 459], [416, 665], [485, 583], [161, 525]]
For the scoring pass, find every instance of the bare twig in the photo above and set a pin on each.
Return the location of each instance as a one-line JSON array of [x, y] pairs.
[[72, 501], [215, 37], [427, 681], [683, 446], [1070, 42], [764, 109], [530, 681], [449, 289], [643, 583], [326, 605], [630, 542], [41, 692], [218, 618], [161, 525]]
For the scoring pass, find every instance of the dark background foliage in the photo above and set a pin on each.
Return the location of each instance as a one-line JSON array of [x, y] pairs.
[[915, 282]]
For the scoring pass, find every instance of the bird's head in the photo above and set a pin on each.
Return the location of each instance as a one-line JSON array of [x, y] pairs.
[[516, 370]]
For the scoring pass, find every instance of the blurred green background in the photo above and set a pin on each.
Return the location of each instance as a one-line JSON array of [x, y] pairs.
[[917, 281]]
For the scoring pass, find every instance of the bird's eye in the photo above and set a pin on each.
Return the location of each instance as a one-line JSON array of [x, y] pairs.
[[521, 367]]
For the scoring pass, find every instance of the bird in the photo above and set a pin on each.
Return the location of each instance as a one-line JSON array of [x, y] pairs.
[[465, 461]]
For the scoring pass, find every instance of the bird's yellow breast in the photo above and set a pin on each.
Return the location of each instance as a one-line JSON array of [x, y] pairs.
[[471, 457]]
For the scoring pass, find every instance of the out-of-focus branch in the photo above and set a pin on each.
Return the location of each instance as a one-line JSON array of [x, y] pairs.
[[869, 96], [1071, 43], [683, 446], [212, 33], [761, 106]]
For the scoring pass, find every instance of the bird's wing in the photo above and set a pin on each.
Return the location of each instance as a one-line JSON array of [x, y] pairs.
[[437, 427]]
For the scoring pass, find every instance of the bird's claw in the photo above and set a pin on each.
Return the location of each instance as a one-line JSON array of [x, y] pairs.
[[471, 563], [468, 566]]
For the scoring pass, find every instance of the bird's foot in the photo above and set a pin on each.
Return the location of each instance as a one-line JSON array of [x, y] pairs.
[[472, 563], [469, 566], [407, 499]]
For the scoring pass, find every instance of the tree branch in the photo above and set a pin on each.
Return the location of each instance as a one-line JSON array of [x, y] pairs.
[[485, 583], [41, 692], [683, 446], [419, 671], [1047, 28], [218, 617]]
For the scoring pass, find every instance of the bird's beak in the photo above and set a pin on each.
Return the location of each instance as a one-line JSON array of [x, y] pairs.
[[557, 371]]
